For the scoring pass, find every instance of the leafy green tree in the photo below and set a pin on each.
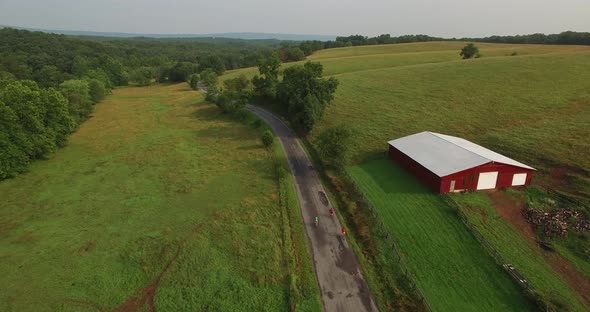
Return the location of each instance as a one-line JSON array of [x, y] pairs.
[[49, 76], [16, 64], [79, 101], [57, 116], [193, 81], [24, 98], [265, 84], [97, 90], [114, 69], [80, 66], [162, 72], [267, 138], [213, 62], [13, 144], [236, 87], [291, 54], [103, 77], [142, 75], [33, 123], [234, 96], [334, 145], [181, 71], [4, 75], [469, 51], [208, 78], [306, 94]]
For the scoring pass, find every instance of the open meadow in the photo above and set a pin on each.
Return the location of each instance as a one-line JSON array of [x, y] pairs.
[[159, 199]]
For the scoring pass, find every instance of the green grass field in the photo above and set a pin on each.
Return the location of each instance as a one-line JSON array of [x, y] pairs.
[[534, 106], [452, 270], [511, 245], [157, 192]]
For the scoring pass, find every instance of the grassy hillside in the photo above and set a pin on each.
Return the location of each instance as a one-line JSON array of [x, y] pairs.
[[157, 193], [533, 106], [453, 271]]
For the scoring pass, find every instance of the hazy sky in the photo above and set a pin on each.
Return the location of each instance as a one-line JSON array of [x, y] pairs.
[[448, 18]]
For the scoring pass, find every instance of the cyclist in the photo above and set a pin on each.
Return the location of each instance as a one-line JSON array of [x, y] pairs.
[[332, 211], [316, 220]]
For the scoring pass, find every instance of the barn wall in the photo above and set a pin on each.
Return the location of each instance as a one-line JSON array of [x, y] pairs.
[[422, 174], [468, 179]]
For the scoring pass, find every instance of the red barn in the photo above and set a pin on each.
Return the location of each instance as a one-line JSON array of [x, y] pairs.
[[450, 164]]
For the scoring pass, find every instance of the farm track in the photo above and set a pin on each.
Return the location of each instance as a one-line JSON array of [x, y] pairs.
[[342, 285]]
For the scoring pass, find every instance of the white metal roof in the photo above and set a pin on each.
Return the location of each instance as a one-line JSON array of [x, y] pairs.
[[444, 154]]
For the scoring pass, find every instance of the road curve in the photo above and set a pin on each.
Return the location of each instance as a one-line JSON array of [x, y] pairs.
[[342, 285]]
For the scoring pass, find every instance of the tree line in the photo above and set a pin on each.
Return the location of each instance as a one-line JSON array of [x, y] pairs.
[[35, 121], [299, 93], [50, 59], [49, 84], [566, 38]]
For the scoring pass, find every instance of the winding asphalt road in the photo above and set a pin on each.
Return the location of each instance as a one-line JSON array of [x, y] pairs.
[[342, 285]]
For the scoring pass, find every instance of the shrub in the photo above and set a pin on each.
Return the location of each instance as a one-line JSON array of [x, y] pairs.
[[333, 145], [142, 75], [257, 123], [97, 90], [267, 138], [470, 51], [240, 114], [193, 81]]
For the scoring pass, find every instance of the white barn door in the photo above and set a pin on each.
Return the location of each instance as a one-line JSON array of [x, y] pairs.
[[487, 180], [518, 179]]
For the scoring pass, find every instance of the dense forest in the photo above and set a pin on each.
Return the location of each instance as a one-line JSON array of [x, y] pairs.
[[50, 59]]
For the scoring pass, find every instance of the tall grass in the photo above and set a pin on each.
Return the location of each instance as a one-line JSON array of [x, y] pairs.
[[157, 177]]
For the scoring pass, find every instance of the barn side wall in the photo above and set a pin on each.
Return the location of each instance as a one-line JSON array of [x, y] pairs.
[[422, 174], [467, 179]]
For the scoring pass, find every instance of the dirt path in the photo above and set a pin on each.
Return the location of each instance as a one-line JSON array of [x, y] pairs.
[[342, 286], [511, 210], [147, 294]]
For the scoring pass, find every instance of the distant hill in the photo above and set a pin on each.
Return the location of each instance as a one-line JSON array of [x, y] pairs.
[[233, 35]]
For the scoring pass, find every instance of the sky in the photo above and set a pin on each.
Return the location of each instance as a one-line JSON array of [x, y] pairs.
[[445, 18]]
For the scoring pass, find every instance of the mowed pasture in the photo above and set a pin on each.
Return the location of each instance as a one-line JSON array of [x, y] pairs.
[[534, 107], [451, 268], [157, 198]]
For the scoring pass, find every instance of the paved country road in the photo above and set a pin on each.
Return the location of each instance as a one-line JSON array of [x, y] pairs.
[[342, 285]]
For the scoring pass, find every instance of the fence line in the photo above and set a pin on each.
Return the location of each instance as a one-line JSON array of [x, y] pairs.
[[520, 280], [566, 198], [398, 256]]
